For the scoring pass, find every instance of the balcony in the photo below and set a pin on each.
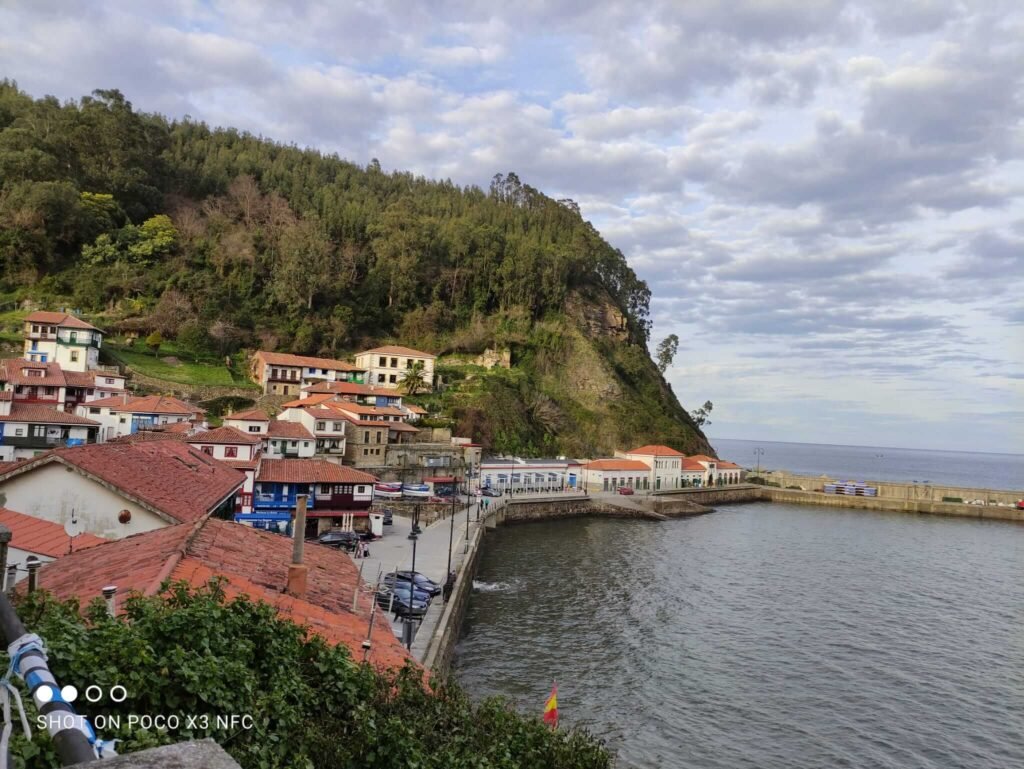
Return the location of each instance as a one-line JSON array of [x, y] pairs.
[[268, 501], [31, 442], [76, 342], [41, 335]]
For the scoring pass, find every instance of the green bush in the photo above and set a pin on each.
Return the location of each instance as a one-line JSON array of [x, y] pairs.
[[194, 652]]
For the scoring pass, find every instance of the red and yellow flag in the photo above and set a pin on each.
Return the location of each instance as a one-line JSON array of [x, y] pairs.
[[551, 708]]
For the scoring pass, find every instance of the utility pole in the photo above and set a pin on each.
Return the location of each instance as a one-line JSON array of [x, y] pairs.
[[758, 452]]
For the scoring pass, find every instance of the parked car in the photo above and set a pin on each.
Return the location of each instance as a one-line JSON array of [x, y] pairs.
[[625, 490], [423, 582], [400, 586], [340, 539], [489, 492], [388, 516], [398, 601]]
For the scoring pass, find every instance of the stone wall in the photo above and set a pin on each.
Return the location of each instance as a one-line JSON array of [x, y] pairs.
[[793, 496], [905, 491], [189, 392], [743, 492]]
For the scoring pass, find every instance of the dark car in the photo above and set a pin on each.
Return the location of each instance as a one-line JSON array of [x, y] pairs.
[[388, 516], [391, 582], [340, 539], [423, 582], [489, 492], [397, 601], [625, 490]]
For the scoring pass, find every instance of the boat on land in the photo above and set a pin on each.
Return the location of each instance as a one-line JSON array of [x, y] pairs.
[[388, 490], [415, 490]]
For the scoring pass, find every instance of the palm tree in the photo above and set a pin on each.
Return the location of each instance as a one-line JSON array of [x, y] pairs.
[[413, 377]]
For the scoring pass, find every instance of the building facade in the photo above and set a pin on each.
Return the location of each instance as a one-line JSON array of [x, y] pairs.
[[58, 337], [388, 366], [281, 373]]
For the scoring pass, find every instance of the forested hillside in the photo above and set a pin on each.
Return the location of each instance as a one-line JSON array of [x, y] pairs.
[[224, 241]]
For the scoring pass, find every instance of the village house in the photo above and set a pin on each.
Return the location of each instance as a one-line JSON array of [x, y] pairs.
[[124, 414], [118, 489], [280, 373], [58, 337], [48, 385], [692, 472], [332, 493], [255, 421], [44, 540], [288, 440], [238, 450], [386, 366], [27, 429], [319, 594], [325, 425]]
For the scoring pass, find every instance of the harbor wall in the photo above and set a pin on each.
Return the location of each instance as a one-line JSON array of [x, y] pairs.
[[923, 492], [928, 507]]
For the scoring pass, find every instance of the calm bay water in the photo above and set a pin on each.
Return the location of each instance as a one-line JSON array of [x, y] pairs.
[[762, 636], [867, 463]]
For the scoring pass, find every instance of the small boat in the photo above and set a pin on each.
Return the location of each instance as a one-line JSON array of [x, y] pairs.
[[388, 490], [1020, 504], [415, 490]]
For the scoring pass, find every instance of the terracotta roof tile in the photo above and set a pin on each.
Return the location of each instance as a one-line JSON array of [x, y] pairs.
[[309, 471], [43, 537], [312, 400], [723, 465], [281, 428], [168, 477], [58, 319], [253, 415], [144, 436], [355, 408], [615, 464], [287, 359], [30, 412], [224, 435], [149, 404], [656, 451], [400, 427], [12, 370], [692, 465], [213, 548]]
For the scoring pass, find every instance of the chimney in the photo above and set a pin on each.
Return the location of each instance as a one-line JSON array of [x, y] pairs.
[[109, 595], [297, 570], [32, 564]]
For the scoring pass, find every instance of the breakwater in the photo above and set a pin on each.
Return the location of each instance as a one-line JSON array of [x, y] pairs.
[[893, 504]]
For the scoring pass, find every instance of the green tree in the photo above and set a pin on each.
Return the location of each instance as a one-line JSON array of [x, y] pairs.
[[153, 342], [667, 349], [412, 378], [701, 416]]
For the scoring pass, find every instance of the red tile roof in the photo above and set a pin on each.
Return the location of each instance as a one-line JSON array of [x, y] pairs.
[[210, 548], [253, 415], [12, 370], [309, 471], [58, 319], [656, 451], [394, 349], [355, 408], [144, 436], [282, 428], [414, 408], [287, 359], [723, 465], [692, 465], [703, 458], [178, 428], [168, 478], [148, 404], [304, 403], [6, 395], [224, 435], [400, 427], [344, 388], [29, 412], [43, 537], [615, 464]]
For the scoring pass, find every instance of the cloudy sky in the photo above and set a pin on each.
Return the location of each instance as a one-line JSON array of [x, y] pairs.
[[826, 197]]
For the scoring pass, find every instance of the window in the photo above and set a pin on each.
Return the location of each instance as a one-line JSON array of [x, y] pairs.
[[408, 362], [292, 444], [274, 373], [74, 356], [207, 450], [305, 444], [230, 452], [323, 371], [122, 420], [378, 436], [394, 363], [366, 436], [90, 391], [19, 431], [392, 379], [35, 329], [254, 428], [110, 380], [325, 488], [365, 452], [38, 431], [94, 411], [321, 425], [383, 361], [337, 427]]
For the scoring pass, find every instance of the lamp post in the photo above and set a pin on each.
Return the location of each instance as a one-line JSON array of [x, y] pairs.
[[412, 586], [466, 548], [758, 452], [451, 539]]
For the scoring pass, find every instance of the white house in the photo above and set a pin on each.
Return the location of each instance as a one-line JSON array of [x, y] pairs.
[[255, 422], [57, 337], [326, 426], [386, 366], [29, 429], [717, 472], [665, 465], [281, 373], [612, 474], [118, 489], [121, 415], [288, 440], [518, 473]]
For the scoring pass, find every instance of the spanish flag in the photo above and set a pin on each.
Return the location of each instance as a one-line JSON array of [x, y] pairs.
[[551, 708]]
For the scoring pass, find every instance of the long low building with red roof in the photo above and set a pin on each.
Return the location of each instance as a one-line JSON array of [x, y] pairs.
[[318, 594], [280, 373], [124, 414], [118, 489]]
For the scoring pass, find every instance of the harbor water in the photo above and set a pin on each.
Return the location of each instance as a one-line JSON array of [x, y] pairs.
[[762, 636], [869, 463]]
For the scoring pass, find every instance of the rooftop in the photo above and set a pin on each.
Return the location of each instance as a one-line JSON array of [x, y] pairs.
[[617, 464], [656, 451], [209, 548], [253, 415], [63, 319], [394, 349], [287, 359], [281, 428], [309, 471], [13, 370], [224, 435], [45, 415], [172, 480], [43, 537], [147, 404]]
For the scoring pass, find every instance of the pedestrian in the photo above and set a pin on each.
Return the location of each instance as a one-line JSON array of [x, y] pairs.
[[366, 550], [449, 586]]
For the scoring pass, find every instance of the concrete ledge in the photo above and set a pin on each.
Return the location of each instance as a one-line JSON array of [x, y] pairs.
[[925, 507], [203, 754]]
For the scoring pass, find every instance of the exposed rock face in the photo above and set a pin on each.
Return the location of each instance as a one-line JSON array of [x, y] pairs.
[[491, 358], [597, 318]]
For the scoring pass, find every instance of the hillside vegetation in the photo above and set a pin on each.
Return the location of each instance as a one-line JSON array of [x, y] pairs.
[[224, 242]]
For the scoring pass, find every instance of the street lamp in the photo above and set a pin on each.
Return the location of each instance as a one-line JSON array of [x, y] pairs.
[[412, 590], [466, 549], [758, 452]]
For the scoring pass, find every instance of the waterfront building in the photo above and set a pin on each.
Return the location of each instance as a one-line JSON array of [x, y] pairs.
[[280, 373], [387, 366], [515, 473], [59, 337], [332, 491], [616, 473], [665, 465], [717, 472], [118, 489]]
